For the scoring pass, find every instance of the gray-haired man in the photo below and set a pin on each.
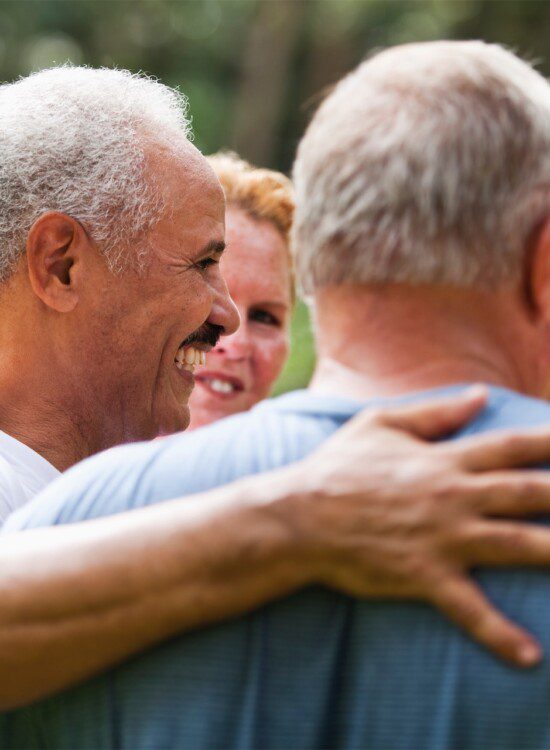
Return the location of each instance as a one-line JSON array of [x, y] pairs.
[[111, 225], [423, 235]]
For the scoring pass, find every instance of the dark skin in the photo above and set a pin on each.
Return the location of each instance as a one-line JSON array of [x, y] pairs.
[[77, 379]]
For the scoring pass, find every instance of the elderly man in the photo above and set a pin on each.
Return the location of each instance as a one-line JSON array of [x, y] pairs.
[[111, 229], [428, 261]]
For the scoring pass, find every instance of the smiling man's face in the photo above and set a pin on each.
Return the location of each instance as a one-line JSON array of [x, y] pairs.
[[138, 322]]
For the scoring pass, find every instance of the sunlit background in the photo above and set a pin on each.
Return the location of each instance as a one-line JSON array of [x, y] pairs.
[[253, 69]]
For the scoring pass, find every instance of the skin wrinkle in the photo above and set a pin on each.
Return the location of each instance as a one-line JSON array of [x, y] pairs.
[[112, 389], [417, 338], [82, 167]]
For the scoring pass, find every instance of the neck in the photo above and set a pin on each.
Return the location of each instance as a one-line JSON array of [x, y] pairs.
[[386, 341], [41, 407], [43, 425], [43, 402]]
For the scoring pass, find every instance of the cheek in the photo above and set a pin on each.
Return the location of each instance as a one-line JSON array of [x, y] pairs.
[[270, 358], [186, 309]]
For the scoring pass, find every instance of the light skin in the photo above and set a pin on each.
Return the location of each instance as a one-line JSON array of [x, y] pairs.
[[117, 585], [394, 340], [256, 268]]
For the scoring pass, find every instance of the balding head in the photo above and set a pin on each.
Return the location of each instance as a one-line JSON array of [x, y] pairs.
[[430, 163]]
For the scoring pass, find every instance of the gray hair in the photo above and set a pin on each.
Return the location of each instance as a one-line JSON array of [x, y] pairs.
[[430, 163], [72, 139]]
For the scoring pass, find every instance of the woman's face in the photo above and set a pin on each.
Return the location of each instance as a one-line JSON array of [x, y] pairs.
[[241, 370]]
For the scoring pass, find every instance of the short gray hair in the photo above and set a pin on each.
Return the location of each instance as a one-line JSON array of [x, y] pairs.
[[430, 163], [72, 139]]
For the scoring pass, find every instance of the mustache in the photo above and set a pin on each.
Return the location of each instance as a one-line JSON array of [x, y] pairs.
[[208, 333]]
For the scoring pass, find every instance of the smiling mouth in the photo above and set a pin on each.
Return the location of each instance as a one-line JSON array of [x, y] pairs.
[[220, 385], [188, 357]]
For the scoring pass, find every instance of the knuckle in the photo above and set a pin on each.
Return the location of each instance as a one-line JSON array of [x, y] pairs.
[[453, 492], [418, 568], [513, 539], [528, 487], [467, 537], [522, 489], [472, 615], [462, 531], [512, 443]]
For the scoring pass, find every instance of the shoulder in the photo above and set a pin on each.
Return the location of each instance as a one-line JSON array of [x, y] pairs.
[[507, 410], [131, 476], [264, 438]]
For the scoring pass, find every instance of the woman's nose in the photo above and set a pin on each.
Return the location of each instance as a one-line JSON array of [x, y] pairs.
[[238, 346]]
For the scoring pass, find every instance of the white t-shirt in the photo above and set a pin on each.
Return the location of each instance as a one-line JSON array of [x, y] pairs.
[[23, 473]]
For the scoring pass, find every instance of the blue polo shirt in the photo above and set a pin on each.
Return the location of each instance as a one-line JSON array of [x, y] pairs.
[[314, 670]]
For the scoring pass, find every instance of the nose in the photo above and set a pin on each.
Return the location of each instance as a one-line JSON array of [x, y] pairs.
[[224, 312], [236, 347]]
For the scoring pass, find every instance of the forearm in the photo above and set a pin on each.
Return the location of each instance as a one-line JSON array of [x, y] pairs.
[[79, 598], [378, 510]]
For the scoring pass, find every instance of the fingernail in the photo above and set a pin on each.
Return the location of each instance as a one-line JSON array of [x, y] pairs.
[[474, 391], [530, 654]]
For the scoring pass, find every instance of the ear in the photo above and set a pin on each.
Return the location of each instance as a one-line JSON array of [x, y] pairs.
[[539, 276], [54, 245]]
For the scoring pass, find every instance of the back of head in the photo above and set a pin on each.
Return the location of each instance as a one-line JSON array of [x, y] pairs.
[[430, 163], [68, 143]]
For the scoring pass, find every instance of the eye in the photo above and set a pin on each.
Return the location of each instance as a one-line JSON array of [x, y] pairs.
[[206, 263], [265, 317]]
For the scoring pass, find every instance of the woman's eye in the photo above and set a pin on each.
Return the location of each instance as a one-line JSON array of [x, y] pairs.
[[265, 317]]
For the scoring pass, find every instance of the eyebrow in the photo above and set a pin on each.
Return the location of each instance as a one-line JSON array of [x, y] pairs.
[[213, 247]]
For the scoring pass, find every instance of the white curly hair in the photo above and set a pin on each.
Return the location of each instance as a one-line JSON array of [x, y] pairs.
[[72, 139]]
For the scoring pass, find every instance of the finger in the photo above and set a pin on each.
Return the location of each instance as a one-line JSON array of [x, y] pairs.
[[463, 602], [503, 449], [511, 493], [505, 543], [438, 417]]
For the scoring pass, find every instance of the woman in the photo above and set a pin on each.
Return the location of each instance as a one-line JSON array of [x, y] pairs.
[[257, 267]]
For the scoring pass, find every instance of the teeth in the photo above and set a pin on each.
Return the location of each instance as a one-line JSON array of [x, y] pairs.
[[187, 357], [221, 386]]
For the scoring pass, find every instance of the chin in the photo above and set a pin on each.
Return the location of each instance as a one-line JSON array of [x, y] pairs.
[[177, 421]]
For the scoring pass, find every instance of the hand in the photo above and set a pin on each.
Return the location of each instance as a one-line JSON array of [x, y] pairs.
[[393, 515]]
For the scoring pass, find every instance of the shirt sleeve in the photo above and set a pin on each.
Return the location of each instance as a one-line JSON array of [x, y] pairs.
[[132, 476], [12, 495]]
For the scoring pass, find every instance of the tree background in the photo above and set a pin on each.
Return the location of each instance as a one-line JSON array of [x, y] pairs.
[[254, 69]]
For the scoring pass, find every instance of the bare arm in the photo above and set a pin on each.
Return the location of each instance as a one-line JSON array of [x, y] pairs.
[[377, 511]]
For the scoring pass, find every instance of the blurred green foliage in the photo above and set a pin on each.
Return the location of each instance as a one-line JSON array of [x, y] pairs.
[[300, 365], [253, 69]]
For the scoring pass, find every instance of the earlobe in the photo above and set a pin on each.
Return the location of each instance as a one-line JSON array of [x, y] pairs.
[[51, 254]]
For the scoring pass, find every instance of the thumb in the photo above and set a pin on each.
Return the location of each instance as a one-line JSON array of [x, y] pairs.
[[438, 417]]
